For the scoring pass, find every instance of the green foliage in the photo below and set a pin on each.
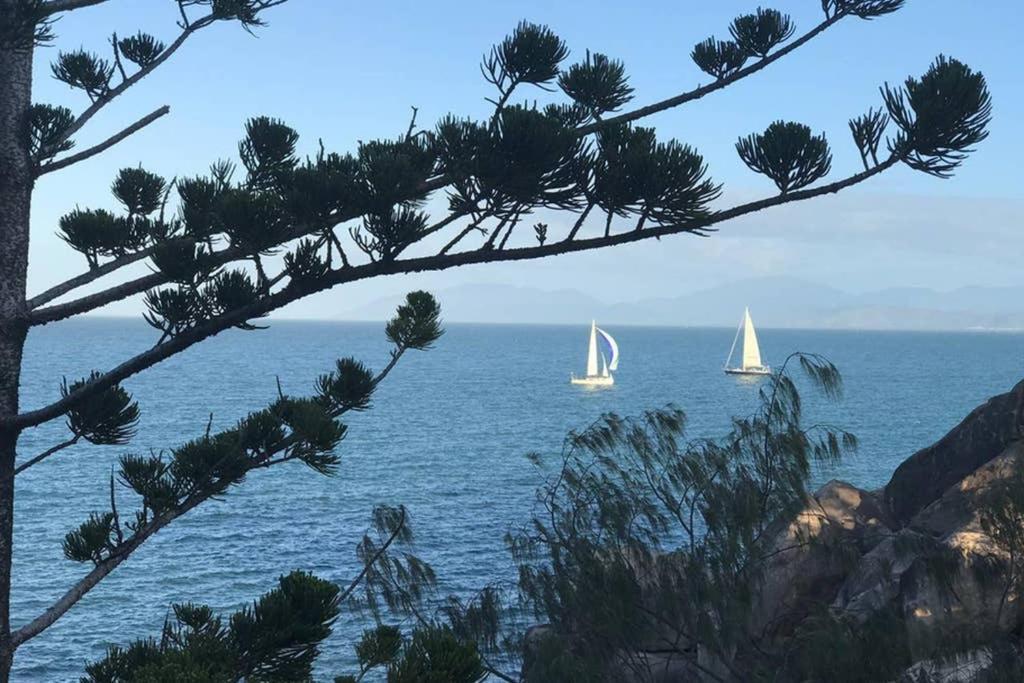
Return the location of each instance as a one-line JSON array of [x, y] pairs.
[[110, 417], [833, 648], [274, 640], [865, 9], [173, 310], [719, 58], [435, 655], [531, 54], [96, 232], [180, 260], [304, 264], [867, 134], [268, 151], [390, 233], [479, 620], [941, 116], [91, 539], [140, 191], [291, 429], [48, 126], [141, 49], [1002, 519], [316, 431], [323, 186], [277, 639], [398, 581], [199, 200], [759, 33], [642, 538], [349, 387], [788, 153], [392, 172], [417, 323], [598, 84], [84, 71], [378, 646], [634, 174]]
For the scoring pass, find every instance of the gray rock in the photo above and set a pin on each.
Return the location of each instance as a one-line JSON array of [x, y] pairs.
[[984, 434]]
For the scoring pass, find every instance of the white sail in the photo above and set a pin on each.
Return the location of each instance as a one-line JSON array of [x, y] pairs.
[[604, 366], [592, 352], [614, 363], [751, 351]]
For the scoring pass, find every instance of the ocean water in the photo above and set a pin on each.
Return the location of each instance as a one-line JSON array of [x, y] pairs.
[[447, 437]]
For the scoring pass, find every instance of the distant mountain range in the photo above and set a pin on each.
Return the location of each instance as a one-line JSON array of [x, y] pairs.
[[773, 302]]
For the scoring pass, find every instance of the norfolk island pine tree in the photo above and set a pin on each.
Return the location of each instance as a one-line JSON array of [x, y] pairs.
[[232, 245]]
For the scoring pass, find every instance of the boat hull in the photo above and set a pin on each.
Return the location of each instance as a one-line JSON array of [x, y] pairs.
[[748, 371], [593, 381]]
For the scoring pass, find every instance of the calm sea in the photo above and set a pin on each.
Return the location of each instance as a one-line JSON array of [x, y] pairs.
[[446, 437]]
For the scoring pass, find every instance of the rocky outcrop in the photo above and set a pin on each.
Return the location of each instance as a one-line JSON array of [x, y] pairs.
[[982, 436], [811, 555], [941, 571], [916, 548]]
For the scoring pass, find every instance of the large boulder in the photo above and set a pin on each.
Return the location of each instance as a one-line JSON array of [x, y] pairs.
[[813, 554], [984, 434], [941, 571]]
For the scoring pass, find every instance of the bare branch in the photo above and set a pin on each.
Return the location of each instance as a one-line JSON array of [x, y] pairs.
[[46, 454], [96, 106], [85, 278], [105, 145], [413, 265]]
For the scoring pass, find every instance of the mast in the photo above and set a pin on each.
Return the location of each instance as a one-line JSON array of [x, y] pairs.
[[592, 351], [732, 348]]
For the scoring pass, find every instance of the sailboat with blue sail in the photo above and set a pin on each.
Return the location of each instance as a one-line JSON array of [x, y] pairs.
[[609, 355]]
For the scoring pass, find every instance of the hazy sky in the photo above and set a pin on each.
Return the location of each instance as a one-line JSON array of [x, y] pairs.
[[349, 71]]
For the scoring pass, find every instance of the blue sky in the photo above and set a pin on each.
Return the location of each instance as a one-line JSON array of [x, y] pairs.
[[346, 71]]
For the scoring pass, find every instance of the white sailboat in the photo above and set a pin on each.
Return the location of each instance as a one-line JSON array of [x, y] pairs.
[[602, 377], [751, 363]]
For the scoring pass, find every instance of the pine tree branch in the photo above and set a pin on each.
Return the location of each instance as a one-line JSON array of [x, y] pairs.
[[46, 454], [111, 94], [98, 573], [141, 285], [85, 278], [55, 6], [721, 83], [196, 497], [103, 146], [293, 293]]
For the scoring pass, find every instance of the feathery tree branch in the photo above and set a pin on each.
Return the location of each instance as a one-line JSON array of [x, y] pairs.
[[199, 495]]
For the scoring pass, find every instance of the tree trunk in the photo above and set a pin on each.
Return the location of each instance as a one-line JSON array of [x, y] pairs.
[[15, 200]]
